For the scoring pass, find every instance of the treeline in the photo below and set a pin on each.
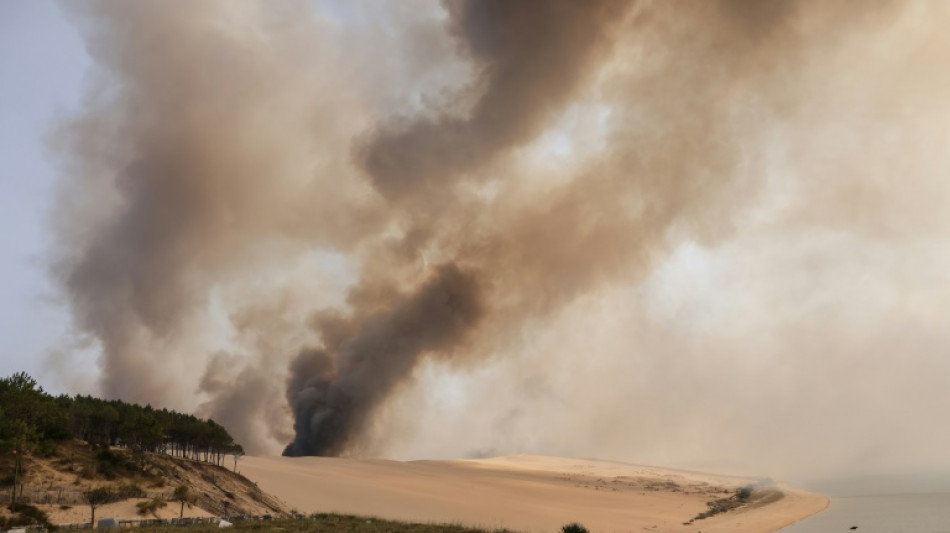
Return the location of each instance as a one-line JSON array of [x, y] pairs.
[[31, 419]]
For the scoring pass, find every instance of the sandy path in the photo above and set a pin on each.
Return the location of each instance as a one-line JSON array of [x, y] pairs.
[[527, 493]]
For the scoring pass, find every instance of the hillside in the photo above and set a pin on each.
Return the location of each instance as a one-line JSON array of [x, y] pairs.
[[58, 454], [59, 485]]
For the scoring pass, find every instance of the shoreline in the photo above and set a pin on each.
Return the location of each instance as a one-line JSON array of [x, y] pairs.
[[911, 503], [524, 493]]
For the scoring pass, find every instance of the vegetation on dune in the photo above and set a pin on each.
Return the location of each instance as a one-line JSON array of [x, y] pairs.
[[183, 496], [84, 450], [23, 515], [33, 421], [323, 523], [743, 496], [151, 507], [77, 468], [317, 523]]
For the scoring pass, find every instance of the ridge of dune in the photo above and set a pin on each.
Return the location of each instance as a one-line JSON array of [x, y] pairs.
[[597, 467], [525, 493]]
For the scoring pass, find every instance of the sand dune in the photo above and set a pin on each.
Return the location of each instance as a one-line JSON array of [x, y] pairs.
[[527, 493]]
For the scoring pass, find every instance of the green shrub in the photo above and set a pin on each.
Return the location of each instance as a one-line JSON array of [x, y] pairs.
[[46, 448]]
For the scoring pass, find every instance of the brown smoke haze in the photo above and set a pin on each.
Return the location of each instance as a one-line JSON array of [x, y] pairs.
[[698, 234]]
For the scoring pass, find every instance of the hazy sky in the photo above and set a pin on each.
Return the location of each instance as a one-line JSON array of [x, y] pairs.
[[42, 64], [708, 234]]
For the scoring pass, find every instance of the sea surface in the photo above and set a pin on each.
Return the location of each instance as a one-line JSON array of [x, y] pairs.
[[895, 504]]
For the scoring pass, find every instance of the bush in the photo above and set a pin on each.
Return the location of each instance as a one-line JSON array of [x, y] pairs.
[[26, 515], [151, 506], [107, 455], [46, 448], [574, 528], [113, 465], [132, 490]]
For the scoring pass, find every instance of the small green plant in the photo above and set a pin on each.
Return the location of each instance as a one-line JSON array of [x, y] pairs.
[[574, 528]]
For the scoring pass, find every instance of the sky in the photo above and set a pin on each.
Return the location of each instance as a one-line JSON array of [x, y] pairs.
[[42, 67], [708, 236]]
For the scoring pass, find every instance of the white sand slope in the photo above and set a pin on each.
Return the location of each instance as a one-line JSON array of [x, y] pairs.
[[526, 493]]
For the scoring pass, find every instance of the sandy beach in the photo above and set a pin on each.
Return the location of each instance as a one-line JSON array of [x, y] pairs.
[[525, 493]]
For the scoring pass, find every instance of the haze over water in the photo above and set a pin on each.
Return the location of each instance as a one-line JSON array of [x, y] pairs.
[[885, 504]]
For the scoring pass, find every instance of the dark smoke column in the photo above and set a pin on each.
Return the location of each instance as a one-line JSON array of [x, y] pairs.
[[332, 405], [529, 59]]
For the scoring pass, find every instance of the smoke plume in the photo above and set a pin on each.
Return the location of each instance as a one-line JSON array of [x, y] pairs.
[[659, 232], [528, 58], [332, 397]]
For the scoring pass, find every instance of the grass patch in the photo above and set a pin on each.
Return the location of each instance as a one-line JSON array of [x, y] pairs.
[[323, 523]]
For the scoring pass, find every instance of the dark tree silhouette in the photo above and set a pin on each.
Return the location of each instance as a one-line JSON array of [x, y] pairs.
[[182, 495], [574, 528], [97, 497]]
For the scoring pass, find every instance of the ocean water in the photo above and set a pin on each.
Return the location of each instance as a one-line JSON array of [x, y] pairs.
[[896, 504]]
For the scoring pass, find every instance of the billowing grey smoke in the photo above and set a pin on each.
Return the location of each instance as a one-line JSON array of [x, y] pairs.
[[529, 59], [329, 215]]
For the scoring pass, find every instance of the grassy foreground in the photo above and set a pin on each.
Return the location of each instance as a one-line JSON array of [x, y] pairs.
[[320, 523]]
